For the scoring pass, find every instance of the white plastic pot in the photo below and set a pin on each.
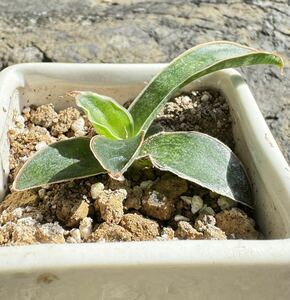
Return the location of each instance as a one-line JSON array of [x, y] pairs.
[[233, 269]]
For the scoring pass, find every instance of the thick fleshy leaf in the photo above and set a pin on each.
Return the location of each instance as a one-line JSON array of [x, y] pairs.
[[202, 159], [192, 64], [116, 156], [61, 161], [108, 117]]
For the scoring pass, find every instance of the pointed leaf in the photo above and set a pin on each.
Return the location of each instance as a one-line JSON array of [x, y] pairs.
[[108, 117], [61, 161], [192, 64], [116, 156], [202, 159]]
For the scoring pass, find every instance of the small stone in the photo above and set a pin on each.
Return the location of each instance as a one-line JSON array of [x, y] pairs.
[[9, 215], [19, 122], [206, 225], [167, 233], [78, 126], [186, 199], [41, 193], [75, 236], [236, 223], [134, 197], [214, 233], [226, 203], [71, 212], [22, 233], [171, 186], [205, 97], [141, 229], [203, 220], [110, 204], [185, 231], [50, 233], [34, 212], [23, 158], [26, 110], [86, 228], [178, 218], [196, 204], [66, 118], [207, 210], [44, 116], [5, 233], [96, 189], [40, 145], [19, 199], [158, 206], [110, 233]]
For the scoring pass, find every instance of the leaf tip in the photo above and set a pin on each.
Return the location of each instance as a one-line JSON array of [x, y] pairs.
[[117, 176]]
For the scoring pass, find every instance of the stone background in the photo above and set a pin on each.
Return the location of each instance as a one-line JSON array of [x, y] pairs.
[[152, 31]]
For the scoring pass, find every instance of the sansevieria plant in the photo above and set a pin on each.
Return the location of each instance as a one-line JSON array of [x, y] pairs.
[[124, 136]]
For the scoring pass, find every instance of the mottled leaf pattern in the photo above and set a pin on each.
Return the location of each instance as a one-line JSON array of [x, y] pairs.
[[58, 162], [116, 156], [202, 159], [192, 64]]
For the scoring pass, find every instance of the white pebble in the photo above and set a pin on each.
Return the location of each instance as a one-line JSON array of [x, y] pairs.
[[96, 188], [41, 193], [186, 100], [20, 119], [204, 97], [26, 110], [19, 122], [196, 204], [71, 240], [78, 126], [45, 186], [17, 212], [178, 218], [186, 199], [86, 228], [28, 221], [40, 145], [76, 235], [225, 202], [207, 210], [23, 158]]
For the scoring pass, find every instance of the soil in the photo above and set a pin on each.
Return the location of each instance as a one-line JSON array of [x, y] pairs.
[[148, 205]]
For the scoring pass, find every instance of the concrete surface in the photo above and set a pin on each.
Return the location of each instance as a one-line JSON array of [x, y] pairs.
[[152, 31]]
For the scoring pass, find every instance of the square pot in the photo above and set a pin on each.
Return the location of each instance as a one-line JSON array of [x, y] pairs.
[[152, 270]]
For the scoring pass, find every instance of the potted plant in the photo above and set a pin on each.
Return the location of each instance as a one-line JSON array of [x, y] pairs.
[[186, 260]]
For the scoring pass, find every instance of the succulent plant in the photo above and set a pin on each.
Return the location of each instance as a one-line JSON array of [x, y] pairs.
[[125, 136]]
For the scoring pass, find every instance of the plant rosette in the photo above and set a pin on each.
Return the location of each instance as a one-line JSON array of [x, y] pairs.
[[124, 136]]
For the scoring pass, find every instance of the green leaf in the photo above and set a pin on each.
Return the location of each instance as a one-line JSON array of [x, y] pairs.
[[116, 156], [108, 117], [192, 64], [61, 161], [202, 159]]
